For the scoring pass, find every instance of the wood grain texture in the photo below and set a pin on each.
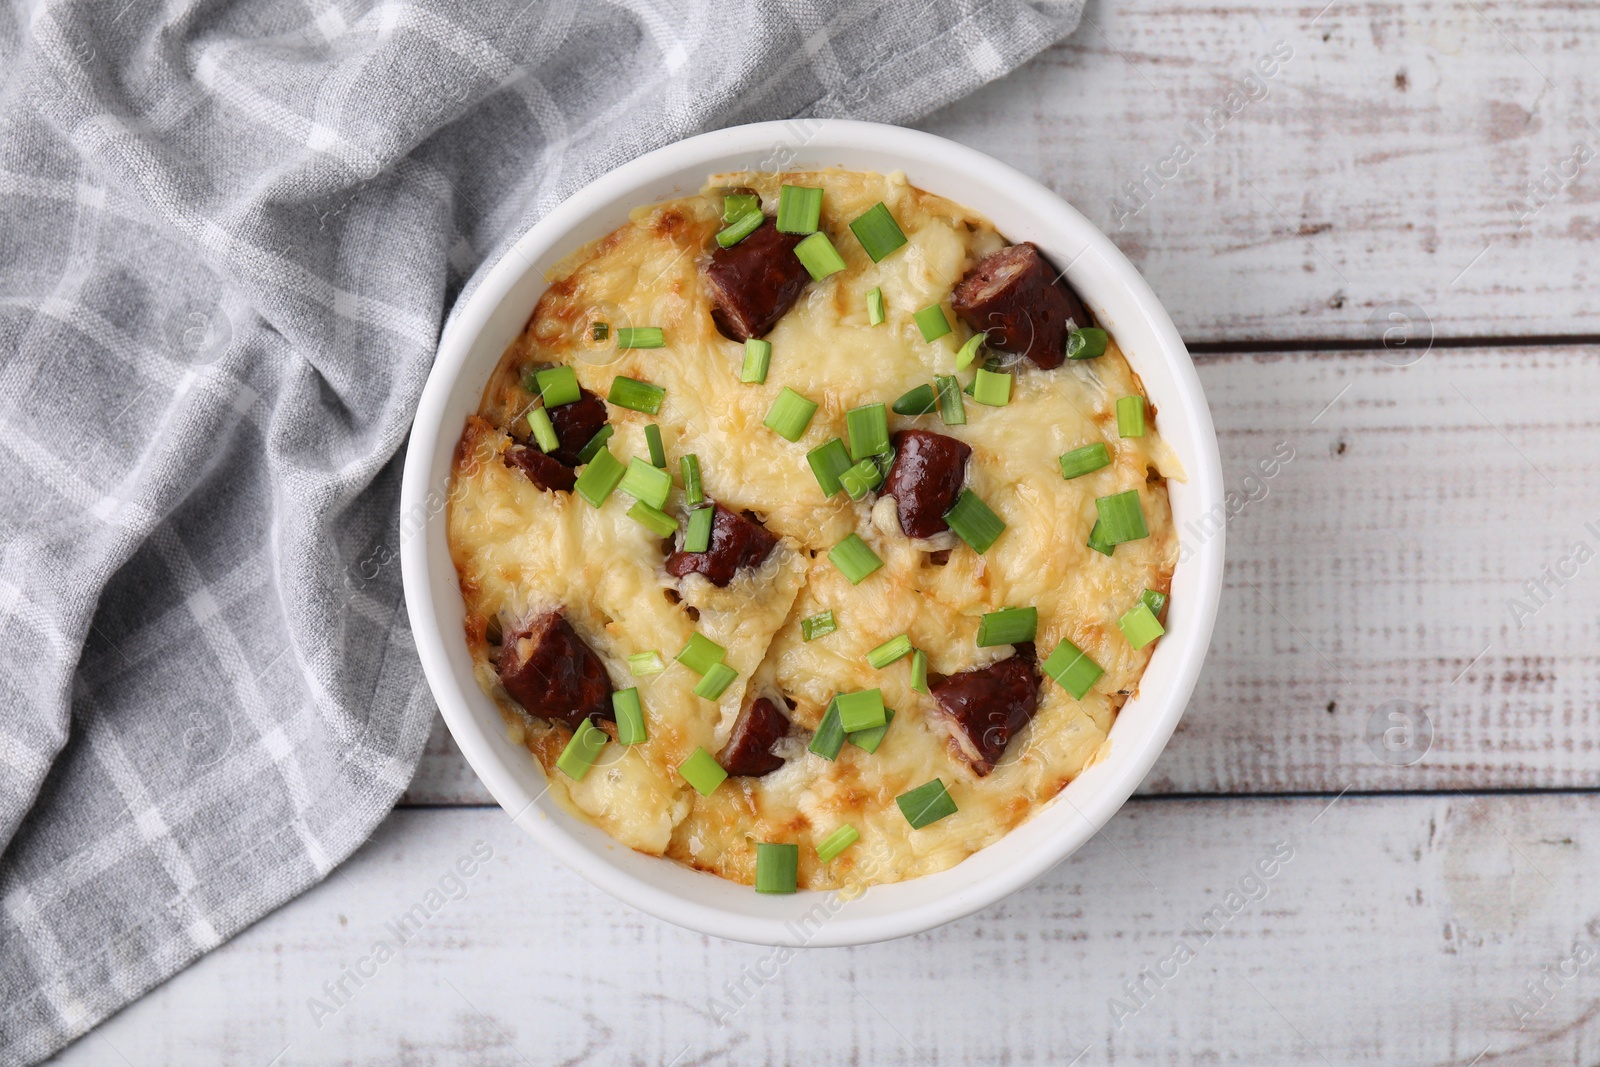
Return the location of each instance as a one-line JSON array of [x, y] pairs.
[[1376, 566], [1390, 153], [1399, 930]]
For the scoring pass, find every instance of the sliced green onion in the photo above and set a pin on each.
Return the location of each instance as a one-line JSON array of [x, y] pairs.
[[1130, 416], [740, 228], [693, 491], [799, 209], [918, 401], [895, 648], [877, 231], [643, 663], [952, 409], [875, 310], [819, 625], [974, 522], [596, 443], [842, 838], [757, 358], [869, 740], [1121, 517], [829, 738], [581, 752], [698, 537], [652, 440], [819, 256], [927, 803], [991, 388], [1085, 460], [862, 478], [601, 476], [530, 382], [868, 429], [544, 431], [932, 322], [653, 519], [1072, 669], [919, 671], [828, 461], [644, 482], [600, 331], [630, 716], [1140, 626], [558, 385], [1097, 540], [1008, 626], [790, 414], [716, 681], [703, 772], [701, 653], [737, 205], [969, 351], [636, 395], [777, 864], [1155, 601], [641, 337], [1086, 343], [854, 558], [861, 710]]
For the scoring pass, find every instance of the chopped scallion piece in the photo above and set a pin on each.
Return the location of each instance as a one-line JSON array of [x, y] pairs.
[[1072, 668], [895, 648], [1085, 460], [600, 331], [1086, 343], [836, 842], [641, 337], [969, 351], [630, 716], [1155, 601], [652, 440], [698, 538], [1097, 540], [819, 256], [868, 429], [1140, 626], [861, 479], [875, 310], [777, 864], [558, 385], [974, 522], [737, 205], [703, 772], [544, 431], [878, 232], [932, 322], [530, 382], [599, 477], [653, 519], [1121, 517], [644, 482], [636, 395], [829, 737], [918, 401], [818, 625], [693, 491], [715, 682], [740, 228], [596, 443], [799, 209], [828, 461], [861, 710], [1008, 626], [869, 740], [643, 663], [927, 803], [701, 654], [991, 388], [790, 414], [581, 752], [757, 358], [854, 558], [1130, 416], [952, 409], [919, 671]]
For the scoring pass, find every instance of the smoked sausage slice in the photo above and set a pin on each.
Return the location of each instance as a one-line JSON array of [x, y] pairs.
[[748, 751], [925, 479], [544, 471], [576, 424], [550, 671], [984, 708], [755, 282], [1016, 297], [736, 541]]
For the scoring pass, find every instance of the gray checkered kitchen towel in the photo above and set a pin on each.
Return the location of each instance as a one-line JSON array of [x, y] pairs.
[[229, 235]]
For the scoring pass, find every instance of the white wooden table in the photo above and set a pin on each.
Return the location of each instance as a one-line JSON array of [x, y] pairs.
[[1430, 889]]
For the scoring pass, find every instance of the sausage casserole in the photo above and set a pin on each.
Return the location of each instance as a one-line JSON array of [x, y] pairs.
[[811, 534]]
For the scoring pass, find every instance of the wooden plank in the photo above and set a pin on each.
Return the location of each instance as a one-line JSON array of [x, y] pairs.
[[1375, 567], [1396, 930], [1384, 163]]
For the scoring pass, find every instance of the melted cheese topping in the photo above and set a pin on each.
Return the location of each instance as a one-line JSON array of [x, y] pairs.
[[520, 550]]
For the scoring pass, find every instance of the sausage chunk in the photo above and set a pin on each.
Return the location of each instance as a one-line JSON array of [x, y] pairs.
[[982, 709], [748, 750], [1015, 296], [753, 283], [925, 479], [550, 671], [576, 424], [736, 541], [542, 470]]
